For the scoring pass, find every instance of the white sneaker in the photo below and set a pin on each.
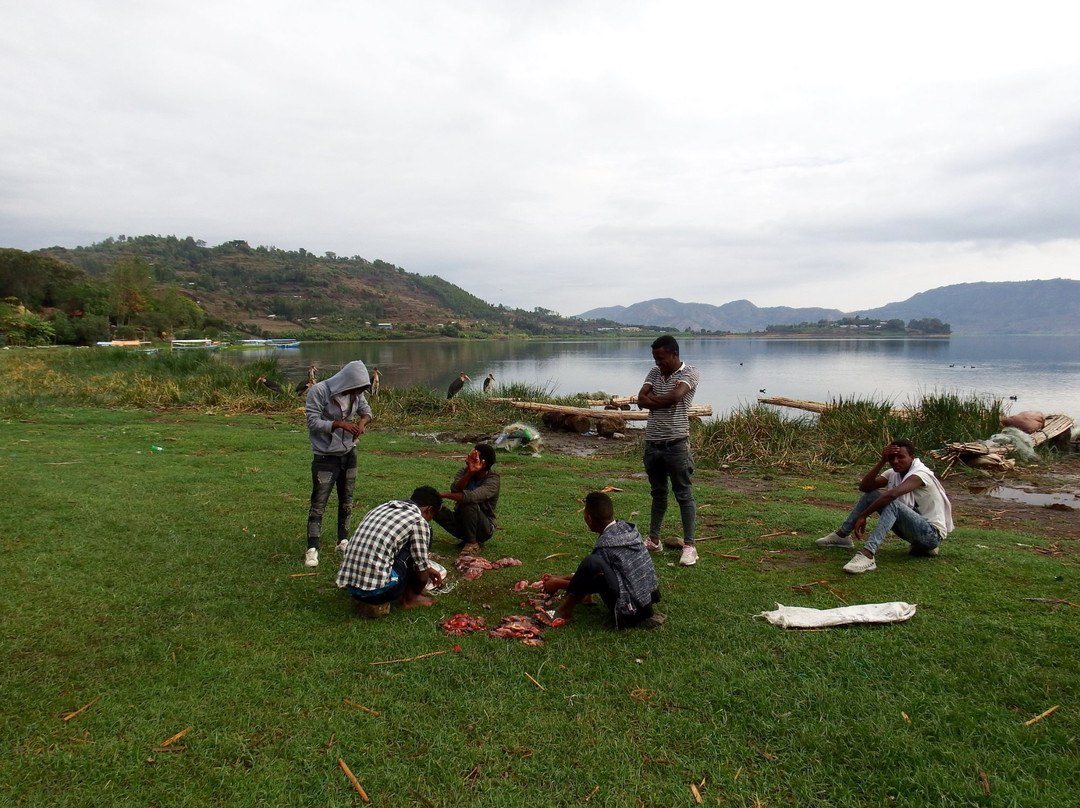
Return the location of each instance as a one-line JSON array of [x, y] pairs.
[[342, 546], [311, 557], [652, 545], [834, 539], [860, 564], [689, 556]]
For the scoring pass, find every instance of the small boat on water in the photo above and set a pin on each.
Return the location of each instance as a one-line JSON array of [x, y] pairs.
[[265, 343], [195, 345]]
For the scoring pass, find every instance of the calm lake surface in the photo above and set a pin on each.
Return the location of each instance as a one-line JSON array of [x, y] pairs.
[[1042, 372]]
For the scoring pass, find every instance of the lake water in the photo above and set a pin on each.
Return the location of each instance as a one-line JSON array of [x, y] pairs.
[[1043, 372]]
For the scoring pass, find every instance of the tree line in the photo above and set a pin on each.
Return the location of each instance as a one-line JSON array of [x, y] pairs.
[[44, 301], [925, 326]]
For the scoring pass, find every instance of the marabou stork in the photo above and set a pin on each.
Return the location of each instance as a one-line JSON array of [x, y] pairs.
[[308, 383], [456, 385], [269, 384], [489, 382]]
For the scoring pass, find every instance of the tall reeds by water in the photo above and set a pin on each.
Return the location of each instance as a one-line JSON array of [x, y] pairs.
[[850, 431]]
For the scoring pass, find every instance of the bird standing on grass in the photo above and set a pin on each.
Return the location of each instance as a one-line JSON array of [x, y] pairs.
[[489, 382], [375, 375], [308, 383], [269, 384], [456, 385]]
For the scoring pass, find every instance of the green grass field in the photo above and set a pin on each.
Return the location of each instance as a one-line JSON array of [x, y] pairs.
[[158, 585]]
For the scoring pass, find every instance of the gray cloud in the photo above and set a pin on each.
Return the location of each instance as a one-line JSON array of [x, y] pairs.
[[562, 155]]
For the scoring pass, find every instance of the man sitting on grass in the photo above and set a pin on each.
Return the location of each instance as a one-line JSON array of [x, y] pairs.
[[908, 498], [475, 489], [387, 557], [619, 569]]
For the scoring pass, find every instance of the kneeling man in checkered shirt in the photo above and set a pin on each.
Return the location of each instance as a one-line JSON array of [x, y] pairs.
[[387, 557]]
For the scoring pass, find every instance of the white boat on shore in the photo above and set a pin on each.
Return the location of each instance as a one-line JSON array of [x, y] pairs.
[[265, 343], [194, 345]]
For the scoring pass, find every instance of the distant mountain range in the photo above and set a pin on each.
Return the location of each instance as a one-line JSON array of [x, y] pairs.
[[1010, 307]]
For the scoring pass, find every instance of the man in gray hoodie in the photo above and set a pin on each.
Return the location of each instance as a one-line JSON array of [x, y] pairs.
[[337, 414], [619, 569]]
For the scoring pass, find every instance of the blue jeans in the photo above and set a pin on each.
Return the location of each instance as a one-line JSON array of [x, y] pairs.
[[671, 463], [328, 472], [904, 521]]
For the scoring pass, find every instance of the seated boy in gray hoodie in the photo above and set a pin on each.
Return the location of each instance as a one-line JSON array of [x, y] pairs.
[[619, 570]]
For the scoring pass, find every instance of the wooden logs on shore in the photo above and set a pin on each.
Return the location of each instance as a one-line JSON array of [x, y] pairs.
[[812, 406], [696, 411]]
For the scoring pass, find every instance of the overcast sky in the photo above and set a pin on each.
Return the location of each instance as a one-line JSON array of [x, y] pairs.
[[568, 155]]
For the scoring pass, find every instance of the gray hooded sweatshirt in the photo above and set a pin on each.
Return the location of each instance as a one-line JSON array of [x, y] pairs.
[[622, 547], [323, 408]]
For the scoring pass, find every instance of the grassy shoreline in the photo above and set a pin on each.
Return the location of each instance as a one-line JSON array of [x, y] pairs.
[[152, 535], [161, 582]]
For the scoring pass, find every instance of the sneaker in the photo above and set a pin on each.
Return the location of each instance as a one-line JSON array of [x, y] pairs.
[[470, 548], [652, 545], [311, 557], [860, 564], [342, 546], [923, 550], [653, 621], [834, 539], [689, 556]]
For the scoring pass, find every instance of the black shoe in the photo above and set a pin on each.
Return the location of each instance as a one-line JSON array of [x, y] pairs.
[[653, 621]]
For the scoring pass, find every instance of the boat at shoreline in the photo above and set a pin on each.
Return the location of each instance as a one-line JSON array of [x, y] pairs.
[[264, 343], [194, 345]]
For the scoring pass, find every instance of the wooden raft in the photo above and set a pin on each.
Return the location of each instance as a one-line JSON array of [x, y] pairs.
[[696, 411]]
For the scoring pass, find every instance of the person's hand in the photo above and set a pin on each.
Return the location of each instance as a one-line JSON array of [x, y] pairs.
[[433, 577], [356, 430], [860, 528], [473, 462], [887, 454]]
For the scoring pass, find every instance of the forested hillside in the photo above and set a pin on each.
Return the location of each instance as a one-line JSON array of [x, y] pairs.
[[164, 286]]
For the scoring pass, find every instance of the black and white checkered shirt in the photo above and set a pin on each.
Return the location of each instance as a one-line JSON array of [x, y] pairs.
[[379, 537]]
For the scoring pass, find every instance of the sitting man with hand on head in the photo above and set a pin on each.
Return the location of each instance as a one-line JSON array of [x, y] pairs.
[[909, 500], [475, 489], [619, 569], [387, 557]]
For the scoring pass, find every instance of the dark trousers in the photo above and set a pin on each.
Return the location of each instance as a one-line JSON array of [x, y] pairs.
[[594, 576], [467, 522], [327, 473], [405, 568]]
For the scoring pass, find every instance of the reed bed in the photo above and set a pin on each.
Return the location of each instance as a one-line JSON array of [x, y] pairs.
[[119, 379], [850, 431]]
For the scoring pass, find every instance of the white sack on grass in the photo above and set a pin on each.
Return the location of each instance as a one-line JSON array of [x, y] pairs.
[[802, 617]]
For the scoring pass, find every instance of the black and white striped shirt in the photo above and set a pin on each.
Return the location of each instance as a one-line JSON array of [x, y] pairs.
[[671, 423]]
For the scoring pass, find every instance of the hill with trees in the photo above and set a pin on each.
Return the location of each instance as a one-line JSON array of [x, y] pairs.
[[164, 286]]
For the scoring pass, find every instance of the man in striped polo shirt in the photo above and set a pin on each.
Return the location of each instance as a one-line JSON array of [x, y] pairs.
[[667, 394]]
